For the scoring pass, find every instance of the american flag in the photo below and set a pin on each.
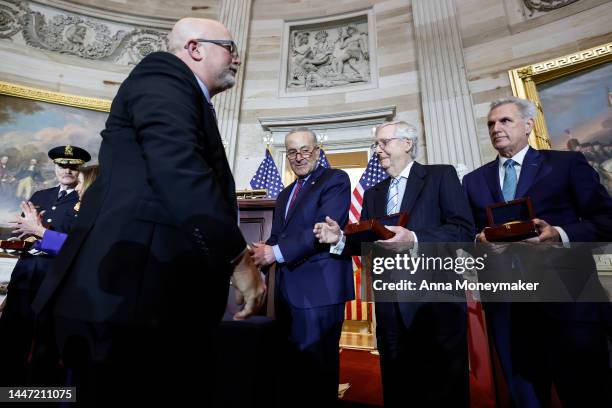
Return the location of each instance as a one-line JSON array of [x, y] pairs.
[[323, 160], [373, 174], [268, 177]]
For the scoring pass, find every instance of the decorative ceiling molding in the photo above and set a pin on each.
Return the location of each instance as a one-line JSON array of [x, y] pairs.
[[57, 31], [162, 23], [329, 120]]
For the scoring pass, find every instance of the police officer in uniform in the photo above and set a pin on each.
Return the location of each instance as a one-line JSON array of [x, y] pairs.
[[57, 206]]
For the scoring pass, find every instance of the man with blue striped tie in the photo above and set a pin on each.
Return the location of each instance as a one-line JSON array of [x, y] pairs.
[[423, 346]]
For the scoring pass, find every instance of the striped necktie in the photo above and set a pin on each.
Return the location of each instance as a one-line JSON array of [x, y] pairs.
[[298, 187], [393, 201]]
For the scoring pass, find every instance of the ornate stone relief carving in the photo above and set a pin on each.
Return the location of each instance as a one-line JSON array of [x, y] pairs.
[[328, 55], [12, 14], [546, 5], [78, 35]]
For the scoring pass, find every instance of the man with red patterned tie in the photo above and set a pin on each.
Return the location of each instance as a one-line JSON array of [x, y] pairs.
[[312, 285]]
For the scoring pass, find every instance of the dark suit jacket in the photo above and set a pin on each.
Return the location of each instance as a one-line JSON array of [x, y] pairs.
[[59, 216], [565, 191], [157, 230], [311, 275], [438, 213]]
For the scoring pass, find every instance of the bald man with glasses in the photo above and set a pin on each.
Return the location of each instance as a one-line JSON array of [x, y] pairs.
[[143, 279]]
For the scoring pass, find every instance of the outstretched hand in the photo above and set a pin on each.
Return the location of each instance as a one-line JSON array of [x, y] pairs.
[[327, 232]]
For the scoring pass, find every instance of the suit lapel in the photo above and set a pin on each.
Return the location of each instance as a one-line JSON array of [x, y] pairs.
[[215, 154], [529, 170], [380, 197], [283, 200], [308, 185], [491, 174], [414, 184]]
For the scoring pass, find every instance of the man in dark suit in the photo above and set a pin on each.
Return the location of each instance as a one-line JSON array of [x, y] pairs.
[[312, 284], [143, 278], [540, 344], [17, 321], [423, 346]]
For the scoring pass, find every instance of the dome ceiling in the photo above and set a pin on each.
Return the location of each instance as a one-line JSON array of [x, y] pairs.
[[166, 9]]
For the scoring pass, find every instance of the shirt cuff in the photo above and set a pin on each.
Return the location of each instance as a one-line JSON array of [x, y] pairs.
[[278, 254], [339, 246], [564, 238]]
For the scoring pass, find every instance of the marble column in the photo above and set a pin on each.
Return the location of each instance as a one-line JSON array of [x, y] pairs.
[[236, 16], [448, 115]]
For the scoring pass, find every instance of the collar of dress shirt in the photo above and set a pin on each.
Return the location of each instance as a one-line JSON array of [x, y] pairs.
[[519, 157], [204, 89], [406, 172], [67, 189]]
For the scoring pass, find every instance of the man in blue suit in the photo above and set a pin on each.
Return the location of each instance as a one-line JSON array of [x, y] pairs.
[[423, 346], [540, 344], [312, 285]]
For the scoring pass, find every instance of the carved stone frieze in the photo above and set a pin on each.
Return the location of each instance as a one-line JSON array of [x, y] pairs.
[[78, 35], [546, 5], [12, 14], [328, 56]]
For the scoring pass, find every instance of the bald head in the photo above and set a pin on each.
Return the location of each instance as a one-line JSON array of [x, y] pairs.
[[189, 28], [212, 61]]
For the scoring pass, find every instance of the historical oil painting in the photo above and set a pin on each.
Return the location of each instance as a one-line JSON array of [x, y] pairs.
[[578, 111], [29, 128]]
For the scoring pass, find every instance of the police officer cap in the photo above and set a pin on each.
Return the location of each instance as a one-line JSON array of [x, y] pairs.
[[69, 155]]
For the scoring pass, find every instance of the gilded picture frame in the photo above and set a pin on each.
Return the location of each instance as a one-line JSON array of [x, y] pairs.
[[525, 81], [32, 121]]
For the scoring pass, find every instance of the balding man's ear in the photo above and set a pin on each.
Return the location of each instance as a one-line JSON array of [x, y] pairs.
[[194, 50]]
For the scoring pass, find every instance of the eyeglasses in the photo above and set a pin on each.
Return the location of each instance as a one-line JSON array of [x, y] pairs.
[[382, 143], [304, 152], [229, 45]]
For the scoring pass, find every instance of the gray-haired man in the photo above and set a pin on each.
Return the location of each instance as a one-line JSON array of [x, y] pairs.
[[423, 347]]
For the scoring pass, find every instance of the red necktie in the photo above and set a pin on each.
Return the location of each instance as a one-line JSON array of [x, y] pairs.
[[300, 183]]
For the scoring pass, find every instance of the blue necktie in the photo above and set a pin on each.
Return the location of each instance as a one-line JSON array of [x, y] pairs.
[[509, 186], [393, 201]]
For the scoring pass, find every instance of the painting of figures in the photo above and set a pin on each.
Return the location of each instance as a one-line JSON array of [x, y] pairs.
[[578, 111], [28, 130]]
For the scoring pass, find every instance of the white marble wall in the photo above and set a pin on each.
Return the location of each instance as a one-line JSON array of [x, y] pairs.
[[496, 39], [397, 76]]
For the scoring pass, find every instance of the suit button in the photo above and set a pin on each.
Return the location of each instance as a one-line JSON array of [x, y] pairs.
[[53, 208], [49, 220]]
